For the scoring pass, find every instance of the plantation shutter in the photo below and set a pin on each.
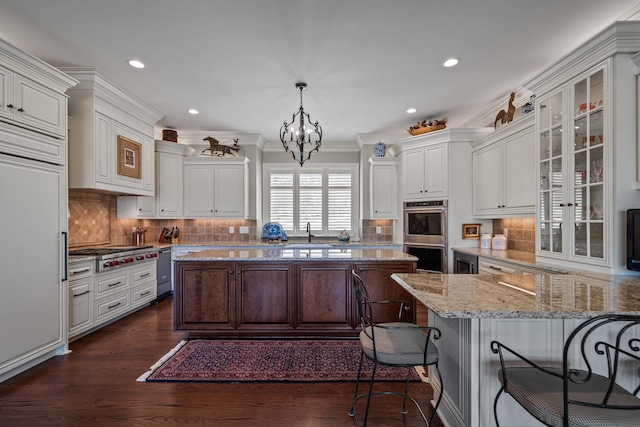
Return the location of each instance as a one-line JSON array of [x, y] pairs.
[[281, 209], [339, 203], [310, 201]]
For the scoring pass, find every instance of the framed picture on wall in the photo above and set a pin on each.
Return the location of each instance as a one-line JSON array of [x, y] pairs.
[[129, 157], [471, 231]]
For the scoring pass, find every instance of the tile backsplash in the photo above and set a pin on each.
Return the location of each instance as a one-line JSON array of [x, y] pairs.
[[370, 234], [89, 218], [521, 233], [93, 221]]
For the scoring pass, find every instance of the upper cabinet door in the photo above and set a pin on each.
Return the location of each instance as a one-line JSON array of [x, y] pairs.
[[414, 174], [551, 168], [230, 193], [436, 170], [5, 92], [39, 107], [383, 187], [198, 191]]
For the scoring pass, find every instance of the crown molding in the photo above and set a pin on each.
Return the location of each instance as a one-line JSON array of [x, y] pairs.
[[91, 78]]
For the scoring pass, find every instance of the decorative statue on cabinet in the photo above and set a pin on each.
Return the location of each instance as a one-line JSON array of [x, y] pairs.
[[506, 116]]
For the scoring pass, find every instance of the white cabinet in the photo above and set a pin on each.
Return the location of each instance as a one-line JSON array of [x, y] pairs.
[[33, 107], [34, 293], [121, 292], [503, 171], [426, 172], [168, 199], [80, 297], [216, 187], [383, 188], [27, 103], [575, 170], [101, 111]]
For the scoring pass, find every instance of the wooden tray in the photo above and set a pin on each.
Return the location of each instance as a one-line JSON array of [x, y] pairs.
[[426, 129]]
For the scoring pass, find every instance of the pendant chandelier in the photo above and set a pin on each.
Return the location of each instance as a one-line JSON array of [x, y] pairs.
[[301, 131]]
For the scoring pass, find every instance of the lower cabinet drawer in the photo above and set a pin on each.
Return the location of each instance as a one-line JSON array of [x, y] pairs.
[[109, 284], [107, 308], [143, 275], [143, 294]]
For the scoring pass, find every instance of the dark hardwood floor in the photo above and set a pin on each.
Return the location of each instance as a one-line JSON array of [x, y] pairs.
[[95, 385]]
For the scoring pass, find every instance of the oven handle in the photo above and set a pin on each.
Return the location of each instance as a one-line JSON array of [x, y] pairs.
[[426, 209]]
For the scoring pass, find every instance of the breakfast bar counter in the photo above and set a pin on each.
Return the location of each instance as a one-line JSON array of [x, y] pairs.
[[533, 314], [523, 296]]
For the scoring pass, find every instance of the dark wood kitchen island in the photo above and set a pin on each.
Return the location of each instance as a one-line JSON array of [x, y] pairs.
[[279, 292]]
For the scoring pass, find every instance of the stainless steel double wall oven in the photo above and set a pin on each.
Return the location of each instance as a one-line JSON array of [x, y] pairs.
[[425, 234]]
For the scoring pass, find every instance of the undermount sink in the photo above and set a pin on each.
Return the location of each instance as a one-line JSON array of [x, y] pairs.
[[308, 245]]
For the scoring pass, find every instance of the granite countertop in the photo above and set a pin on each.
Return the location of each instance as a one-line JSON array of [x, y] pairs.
[[294, 241], [517, 296], [282, 254], [525, 259]]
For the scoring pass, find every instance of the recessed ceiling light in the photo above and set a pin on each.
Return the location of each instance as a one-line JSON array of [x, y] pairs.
[[193, 111], [412, 110], [451, 62], [136, 64]]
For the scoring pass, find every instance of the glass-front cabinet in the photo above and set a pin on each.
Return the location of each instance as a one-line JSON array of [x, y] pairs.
[[571, 129]]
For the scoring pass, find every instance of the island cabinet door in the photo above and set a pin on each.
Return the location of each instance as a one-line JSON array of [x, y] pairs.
[[264, 296], [325, 298], [205, 296], [381, 287]]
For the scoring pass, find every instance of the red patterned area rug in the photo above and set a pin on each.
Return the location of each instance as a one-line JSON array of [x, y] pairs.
[[267, 360]]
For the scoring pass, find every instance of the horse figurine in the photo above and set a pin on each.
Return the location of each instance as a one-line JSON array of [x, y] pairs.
[[506, 116], [220, 149]]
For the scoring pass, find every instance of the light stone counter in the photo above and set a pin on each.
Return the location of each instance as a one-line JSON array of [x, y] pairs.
[[525, 259], [517, 296], [283, 254]]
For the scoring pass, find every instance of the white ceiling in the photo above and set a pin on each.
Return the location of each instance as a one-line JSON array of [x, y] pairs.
[[365, 61]]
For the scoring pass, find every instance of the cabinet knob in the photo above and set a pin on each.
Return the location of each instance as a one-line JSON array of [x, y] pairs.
[[569, 204], [20, 109], [561, 205], [9, 105]]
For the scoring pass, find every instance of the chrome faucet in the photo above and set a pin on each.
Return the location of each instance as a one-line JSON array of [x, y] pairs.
[[309, 232]]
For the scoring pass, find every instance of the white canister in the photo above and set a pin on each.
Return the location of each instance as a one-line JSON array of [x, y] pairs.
[[499, 243], [485, 241]]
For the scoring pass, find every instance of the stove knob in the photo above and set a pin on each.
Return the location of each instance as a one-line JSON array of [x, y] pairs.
[[131, 259], [154, 255], [106, 264]]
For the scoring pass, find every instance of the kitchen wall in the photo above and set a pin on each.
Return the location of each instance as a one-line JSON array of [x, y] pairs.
[[93, 221], [369, 233], [521, 233]]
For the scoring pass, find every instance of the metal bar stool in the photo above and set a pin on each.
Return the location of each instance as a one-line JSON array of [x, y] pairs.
[[399, 344], [584, 391]]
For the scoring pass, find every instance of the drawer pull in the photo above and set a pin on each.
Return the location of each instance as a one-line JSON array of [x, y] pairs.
[[113, 284], [114, 306], [84, 270], [145, 293], [144, 275], [495, 268], [83, 293]]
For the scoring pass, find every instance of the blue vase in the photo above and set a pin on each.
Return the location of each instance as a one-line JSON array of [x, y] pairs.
[[380, 149]]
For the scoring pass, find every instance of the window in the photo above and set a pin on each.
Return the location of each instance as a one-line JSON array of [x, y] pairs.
[[324, 197]]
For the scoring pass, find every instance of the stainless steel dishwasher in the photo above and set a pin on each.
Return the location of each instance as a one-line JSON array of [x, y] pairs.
[[163, 273]]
